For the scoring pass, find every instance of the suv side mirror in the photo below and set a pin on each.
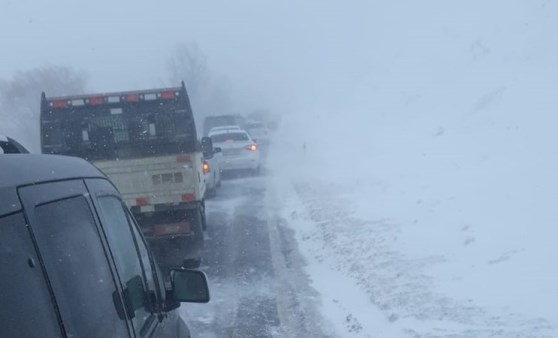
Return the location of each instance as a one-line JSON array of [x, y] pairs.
[[190, 286], [206, 145]]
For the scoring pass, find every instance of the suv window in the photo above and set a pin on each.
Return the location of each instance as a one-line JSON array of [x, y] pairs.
[[134, 270], [78, 268], [22, 285]]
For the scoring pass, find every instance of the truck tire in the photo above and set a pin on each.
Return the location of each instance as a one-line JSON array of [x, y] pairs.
[[203, 216], [197, 224], [210, 193]]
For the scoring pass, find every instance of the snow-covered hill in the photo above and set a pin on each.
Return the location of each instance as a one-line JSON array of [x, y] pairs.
[[432, 183]]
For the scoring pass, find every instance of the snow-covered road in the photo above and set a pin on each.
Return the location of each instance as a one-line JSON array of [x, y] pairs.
[[258, 287], [369, 287], [288, 256]]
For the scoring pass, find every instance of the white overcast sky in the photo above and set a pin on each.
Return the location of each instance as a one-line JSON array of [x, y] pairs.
[[287, 51], [272, 46]]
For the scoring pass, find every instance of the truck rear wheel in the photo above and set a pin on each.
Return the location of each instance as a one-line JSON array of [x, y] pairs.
[[197, 225], [203, 216]]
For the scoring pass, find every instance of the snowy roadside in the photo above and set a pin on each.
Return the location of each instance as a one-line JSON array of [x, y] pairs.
[[371, 288], [424, 200]]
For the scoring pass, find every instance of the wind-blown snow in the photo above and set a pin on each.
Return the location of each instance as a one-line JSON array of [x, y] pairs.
[[432, 186]]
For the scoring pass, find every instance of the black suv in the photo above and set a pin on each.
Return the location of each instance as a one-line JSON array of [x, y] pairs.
[[73, 260]]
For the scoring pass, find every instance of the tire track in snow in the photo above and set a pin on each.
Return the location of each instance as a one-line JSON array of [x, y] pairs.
[[394, 283]]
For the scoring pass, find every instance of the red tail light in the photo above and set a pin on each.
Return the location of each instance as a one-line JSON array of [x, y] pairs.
[[169, 95], [94, 101], [60, 104], [141, 201], [132, 98], [206, 169], [187, 197], [172, 229], [183, 158], [252, 147]]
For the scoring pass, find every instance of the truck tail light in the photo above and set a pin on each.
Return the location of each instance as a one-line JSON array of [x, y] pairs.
[[60, 104], [94, 101], [188, 197], [183, 158], [206, 169], [132, 98], [168, 95], [141, 201], [172, 229]]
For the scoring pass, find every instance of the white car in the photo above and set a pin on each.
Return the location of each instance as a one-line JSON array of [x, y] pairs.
[[212, 174], [223, 128], [239, 151], [212, 171]]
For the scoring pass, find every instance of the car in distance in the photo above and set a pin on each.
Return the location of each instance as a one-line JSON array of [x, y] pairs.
[[216, 129], [213, 121], [239, 150], [74, 261], [259, 132], [211, 169]]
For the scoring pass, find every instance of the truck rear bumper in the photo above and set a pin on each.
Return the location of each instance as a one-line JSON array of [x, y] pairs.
[[171, 251], [174, 234], [138, 210]]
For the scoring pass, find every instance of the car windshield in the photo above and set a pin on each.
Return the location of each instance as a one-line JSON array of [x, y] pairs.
[[219, 121], [368, 168], [229, 137]]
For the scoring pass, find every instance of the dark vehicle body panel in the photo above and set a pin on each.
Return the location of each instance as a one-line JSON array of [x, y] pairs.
[[57, 260]]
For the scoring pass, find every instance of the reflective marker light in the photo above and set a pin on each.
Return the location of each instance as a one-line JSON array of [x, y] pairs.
[[187, 197], [94, 101], [78, 102], [132, 98], [183, 158], [113, 99], [168, 95], [141, 201], [60, 104], [150, 97]]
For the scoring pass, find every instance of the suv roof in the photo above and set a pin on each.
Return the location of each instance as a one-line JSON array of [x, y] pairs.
[[23, 169]]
